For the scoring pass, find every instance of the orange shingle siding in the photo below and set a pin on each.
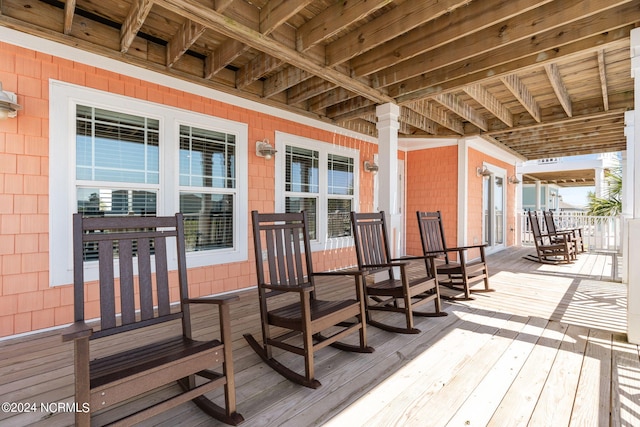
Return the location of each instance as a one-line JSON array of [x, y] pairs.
[[27, 302]]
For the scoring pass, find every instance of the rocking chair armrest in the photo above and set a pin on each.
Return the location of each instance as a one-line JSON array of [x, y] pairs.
[[340, 273], [77, 330], [395, 263], [219, 300], [464, 248], [414, 258], [303, 288]]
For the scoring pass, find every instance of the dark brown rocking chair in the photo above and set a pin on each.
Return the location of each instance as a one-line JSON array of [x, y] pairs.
[[388, 293], [550, 251], [574, 234], [289, 298], [461, 275], [150, 360]]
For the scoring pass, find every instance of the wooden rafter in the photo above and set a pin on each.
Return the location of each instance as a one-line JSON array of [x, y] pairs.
[[69, 11], [193, 10], [558, 87], [406, 16], [333, 19], [276, 12], [514, 36], [522, 94], [490, 102], [416, 120], [132, 23], [182, 41], [457, 24], [462, 109], [438, 115], [602, 68]]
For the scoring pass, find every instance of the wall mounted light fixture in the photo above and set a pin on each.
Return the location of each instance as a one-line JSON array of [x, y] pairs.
[[513, 180], [264, 149], [370, 166], [8, 104], [483, 171]]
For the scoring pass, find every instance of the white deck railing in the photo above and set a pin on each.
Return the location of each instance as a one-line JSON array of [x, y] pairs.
[[600, 233]]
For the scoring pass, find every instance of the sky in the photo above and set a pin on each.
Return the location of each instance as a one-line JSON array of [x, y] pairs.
[[575, 195]]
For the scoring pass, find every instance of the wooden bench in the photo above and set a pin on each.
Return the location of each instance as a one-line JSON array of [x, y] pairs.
[[133, 256]]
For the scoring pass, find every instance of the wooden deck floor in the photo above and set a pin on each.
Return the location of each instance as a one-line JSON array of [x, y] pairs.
[[546, 349]]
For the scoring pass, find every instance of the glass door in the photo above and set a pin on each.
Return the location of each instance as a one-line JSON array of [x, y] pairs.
[[493, 207]]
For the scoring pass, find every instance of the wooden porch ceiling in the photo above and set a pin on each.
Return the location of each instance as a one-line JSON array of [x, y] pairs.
[[573, 178], [544, 78]]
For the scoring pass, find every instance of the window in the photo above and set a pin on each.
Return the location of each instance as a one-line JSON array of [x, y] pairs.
[[207, 187], [111, 155], [320, 178]]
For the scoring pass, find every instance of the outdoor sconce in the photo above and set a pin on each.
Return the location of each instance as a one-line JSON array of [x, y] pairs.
[[514, 180], [483, 171], [8, 104], [370, 167], [264, 149]]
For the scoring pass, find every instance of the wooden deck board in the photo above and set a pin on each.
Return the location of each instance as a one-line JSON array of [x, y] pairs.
[[547, 348]]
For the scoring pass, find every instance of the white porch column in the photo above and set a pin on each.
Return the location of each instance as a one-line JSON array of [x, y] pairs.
[[627, 190], [600, 182], [388, 126], [633, 224], [538, 202]]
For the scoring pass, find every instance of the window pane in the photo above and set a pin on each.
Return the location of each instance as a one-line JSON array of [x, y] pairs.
[[309, 204], [207, 158], [301, 173], [208, 220], [339, 221], [340, 174], [110, 201], [116, 147], [114, 202]]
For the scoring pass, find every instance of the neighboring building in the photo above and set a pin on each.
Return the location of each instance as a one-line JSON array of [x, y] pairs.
[[543, 178]]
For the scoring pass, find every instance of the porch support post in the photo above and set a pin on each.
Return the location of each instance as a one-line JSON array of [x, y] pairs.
[[633, 224], [600, 182], [538, 201], [388, 126]]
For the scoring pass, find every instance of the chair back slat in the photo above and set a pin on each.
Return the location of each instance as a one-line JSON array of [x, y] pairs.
[[107, 294], [144, 277], [549, 222], [162, 277], [124, 244], [535, 227], [127, 298], [285, 242], [432, 233], [370, 235]]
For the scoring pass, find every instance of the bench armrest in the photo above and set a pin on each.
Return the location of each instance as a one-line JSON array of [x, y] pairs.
[[77, 330]]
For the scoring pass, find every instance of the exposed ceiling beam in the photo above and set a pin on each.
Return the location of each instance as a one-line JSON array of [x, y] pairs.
[[132, 23], [193, 10], [490, 102], [276, 12], [416, 120], [69, 10], [603, 79], [457, 24], [462, 109], [558, 87], [522, 94], [404, 17], [187, 35], [438, 115]]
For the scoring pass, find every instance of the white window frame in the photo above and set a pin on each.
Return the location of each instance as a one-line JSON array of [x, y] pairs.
[[63, 97], [322, 242]]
